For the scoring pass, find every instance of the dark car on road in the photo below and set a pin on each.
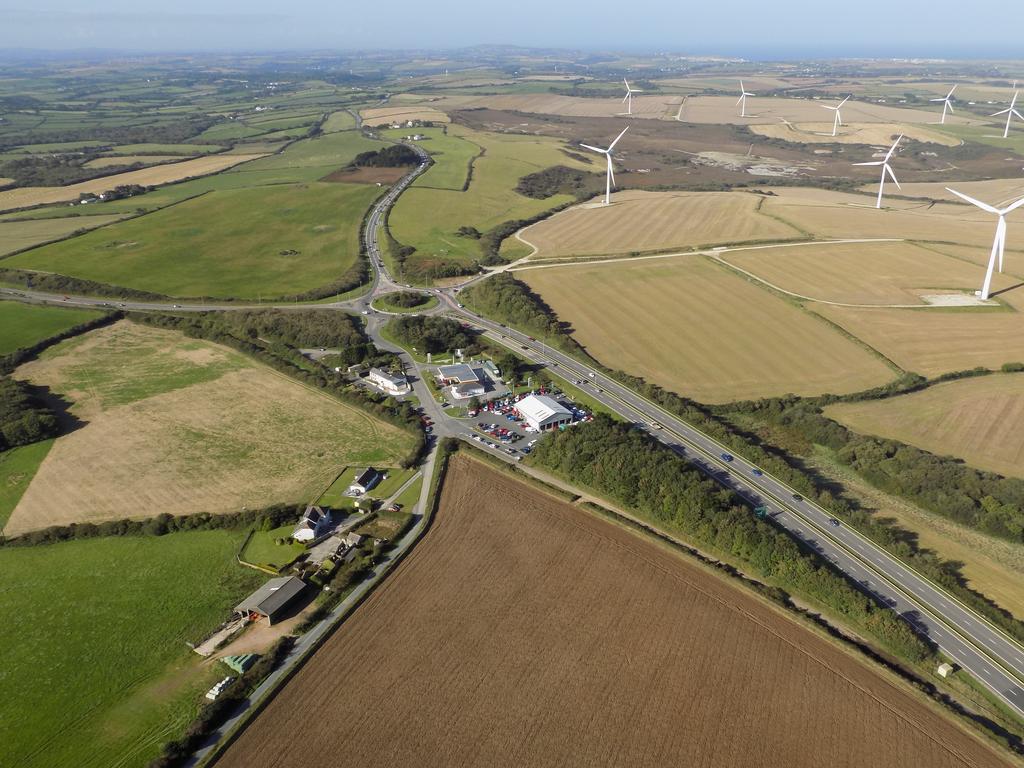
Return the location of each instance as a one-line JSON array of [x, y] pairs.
[[756, 472], [727, 457]]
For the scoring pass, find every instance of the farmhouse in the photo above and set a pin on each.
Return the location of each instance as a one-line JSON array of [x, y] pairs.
[[387, 382], [457, 374], [269, 601], [365, 480], [542, 412], [314, 524]]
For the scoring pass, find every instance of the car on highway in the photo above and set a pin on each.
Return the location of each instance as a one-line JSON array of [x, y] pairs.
[[833, 522], [797, 497], [756, 472], [727, 457]]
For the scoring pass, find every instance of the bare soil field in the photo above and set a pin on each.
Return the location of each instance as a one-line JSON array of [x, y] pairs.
[[366, 175], [859, 273], [850, 133], [701, 331], [169, 424], [932, 341], [25, 197], [523, 631], [387, 115], [773, 110], [648, 221], [977, 420]]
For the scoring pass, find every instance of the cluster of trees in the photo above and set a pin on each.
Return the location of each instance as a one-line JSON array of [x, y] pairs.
[[216, 713], [161, 525], [431, 334], [391, 156], [504, 298], [284, 356], [944, 485], [406, 299], [24, 418], [631, 468], [53, 283], [173, 131], [53, 170], [557, 180]]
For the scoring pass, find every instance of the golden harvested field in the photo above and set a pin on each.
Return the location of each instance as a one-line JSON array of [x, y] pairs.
[[177, 425], [16, 235], [570, 106], [649, 221], [108, 162], [998, 192], [977, 420], [24, 197], [387, 115], [774, 110], [850, 133], [935, 341], [524, 631], [840, 215], [859, 273], [701, 331]]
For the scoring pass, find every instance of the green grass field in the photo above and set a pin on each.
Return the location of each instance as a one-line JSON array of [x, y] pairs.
[[339, 121], [334, 497], [428, 219], [29, 232], [262, 549], [452, 156], [269, 241], [17, 468], [164, 149], [96, 672], [22, 325]]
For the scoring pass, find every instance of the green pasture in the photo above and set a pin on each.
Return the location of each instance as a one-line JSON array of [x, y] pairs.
[[22, 325]]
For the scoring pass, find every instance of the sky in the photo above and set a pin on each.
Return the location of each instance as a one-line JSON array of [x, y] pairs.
[[748, 28]]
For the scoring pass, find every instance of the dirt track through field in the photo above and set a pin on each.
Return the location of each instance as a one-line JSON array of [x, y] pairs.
[[523, 631]]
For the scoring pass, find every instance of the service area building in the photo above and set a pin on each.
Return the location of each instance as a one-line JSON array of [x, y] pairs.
[[388, 382], [542, 412], [269, 601], [457, 374]]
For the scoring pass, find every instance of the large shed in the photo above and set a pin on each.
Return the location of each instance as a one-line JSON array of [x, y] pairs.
[[542, 412], [269, 601], [460, 373]]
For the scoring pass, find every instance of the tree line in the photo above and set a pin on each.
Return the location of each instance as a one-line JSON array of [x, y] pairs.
[[431, 333], [631, 468]]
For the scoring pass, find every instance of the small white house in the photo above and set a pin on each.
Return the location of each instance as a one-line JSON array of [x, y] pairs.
[[365, 480], [467, 390], [388, 382], [314, 524]]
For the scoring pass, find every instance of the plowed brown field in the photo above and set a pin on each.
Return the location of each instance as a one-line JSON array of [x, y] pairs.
[[523, 631]]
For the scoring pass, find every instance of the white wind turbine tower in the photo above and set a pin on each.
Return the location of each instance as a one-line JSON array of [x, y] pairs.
[[628, 98], [1010, 113], [610, 177], [839, 120], [947, 104], [885, 169], [743, 99], [999, 244]]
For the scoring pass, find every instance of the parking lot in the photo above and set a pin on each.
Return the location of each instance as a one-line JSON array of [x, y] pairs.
[[498, 425]]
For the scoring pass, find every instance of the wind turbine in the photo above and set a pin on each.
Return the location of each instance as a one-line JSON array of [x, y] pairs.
[[946, 104], [885, 169], [610, 178], [838, 121], [743, 100], [999, 244], [1010, 113], [628, 98]]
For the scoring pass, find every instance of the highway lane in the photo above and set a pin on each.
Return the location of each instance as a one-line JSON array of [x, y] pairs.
[[985, 651]]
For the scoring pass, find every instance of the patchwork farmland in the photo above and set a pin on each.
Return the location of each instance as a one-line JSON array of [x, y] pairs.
[[532, 631], [200, 428]]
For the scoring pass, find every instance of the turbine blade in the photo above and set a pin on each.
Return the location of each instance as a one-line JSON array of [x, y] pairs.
[[611, 170], [875, 162], [844, 101], [887, 169], [950, 106], [1018, 114], [595, 149], [612, 145], [624, 98], [893, 148], [1012, 207], [950, 94], [1013, 102], [936, 100], [972, 201], [1003, 112], [826, 106], [741, 98]]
